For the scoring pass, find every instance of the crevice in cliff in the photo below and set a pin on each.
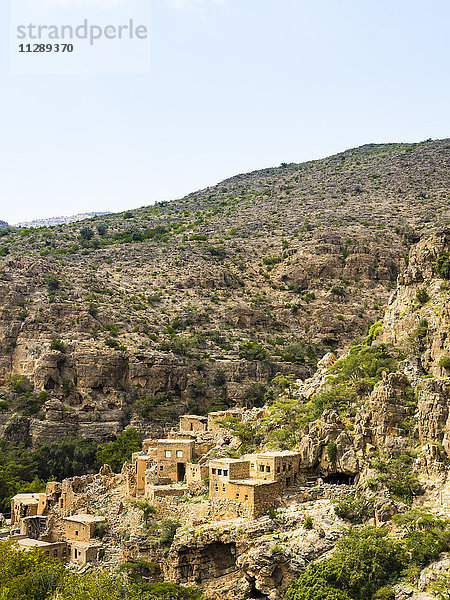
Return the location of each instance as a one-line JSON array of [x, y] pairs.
[[255, 593]]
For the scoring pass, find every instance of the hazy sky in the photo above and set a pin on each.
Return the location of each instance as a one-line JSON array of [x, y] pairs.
[[235, 85]]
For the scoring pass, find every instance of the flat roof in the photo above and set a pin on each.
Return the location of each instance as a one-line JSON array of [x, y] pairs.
[[194, 417], [27, 498], [280, 453], [228, 460], [176, 441], [30, 543], [84, 545], [85, 519], [252, 482]]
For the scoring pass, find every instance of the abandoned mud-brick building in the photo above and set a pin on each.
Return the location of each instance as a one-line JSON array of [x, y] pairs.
[[233, 493], [81, 528], [141, 463], [196, 473], [34, 526], [193, 424], [84, 552], [222, 470], [27, 505], [249, 498], [54, 549], [280, 466], [172, 457]]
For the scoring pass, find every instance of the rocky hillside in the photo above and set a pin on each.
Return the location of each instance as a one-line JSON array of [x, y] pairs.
[[198, 303], [50, 222]]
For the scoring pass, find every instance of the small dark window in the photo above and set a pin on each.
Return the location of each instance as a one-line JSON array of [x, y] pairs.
[[267, 469], [219, 471], [213, 471], [76, 532], [225, 471], [278, 469], [261, 468], [246, 497]]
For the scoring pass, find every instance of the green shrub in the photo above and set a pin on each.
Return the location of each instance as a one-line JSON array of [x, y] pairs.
[[373, 333], [295, 353], [308, 523], [364, 561], [332, 452], [422, 296], [28, 575], [354, 508], [20, 384], [444, 363], [255, 395], [252, 350], [53, 284], [100, 530], [57, 345], [148, 509], [443, 265], [86, 233], [441, 587], [395, 472], [168, 528], [140, 570]]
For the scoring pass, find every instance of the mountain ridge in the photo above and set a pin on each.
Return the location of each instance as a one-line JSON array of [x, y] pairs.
[[198, 302]]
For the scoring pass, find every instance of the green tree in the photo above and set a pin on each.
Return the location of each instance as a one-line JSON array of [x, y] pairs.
[[119, 451], [86, 233], [443, 265], [168, 528], [28, 575], [364, 561]]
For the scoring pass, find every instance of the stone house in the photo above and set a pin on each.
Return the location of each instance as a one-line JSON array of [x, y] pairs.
[[33, 527], [26, 505], [233, 493], [193, 424], [223, 470], [196, 474], [150, 446], [54, 549], [282, 466], [71, 489], [249, 498], [81, 528], [141, 463], [172, 456], [84, 552]]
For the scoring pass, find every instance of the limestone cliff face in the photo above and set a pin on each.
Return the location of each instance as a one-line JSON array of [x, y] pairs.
[[409, 308]]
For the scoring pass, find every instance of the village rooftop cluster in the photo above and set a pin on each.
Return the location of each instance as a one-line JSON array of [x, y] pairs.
[[183, 463]]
